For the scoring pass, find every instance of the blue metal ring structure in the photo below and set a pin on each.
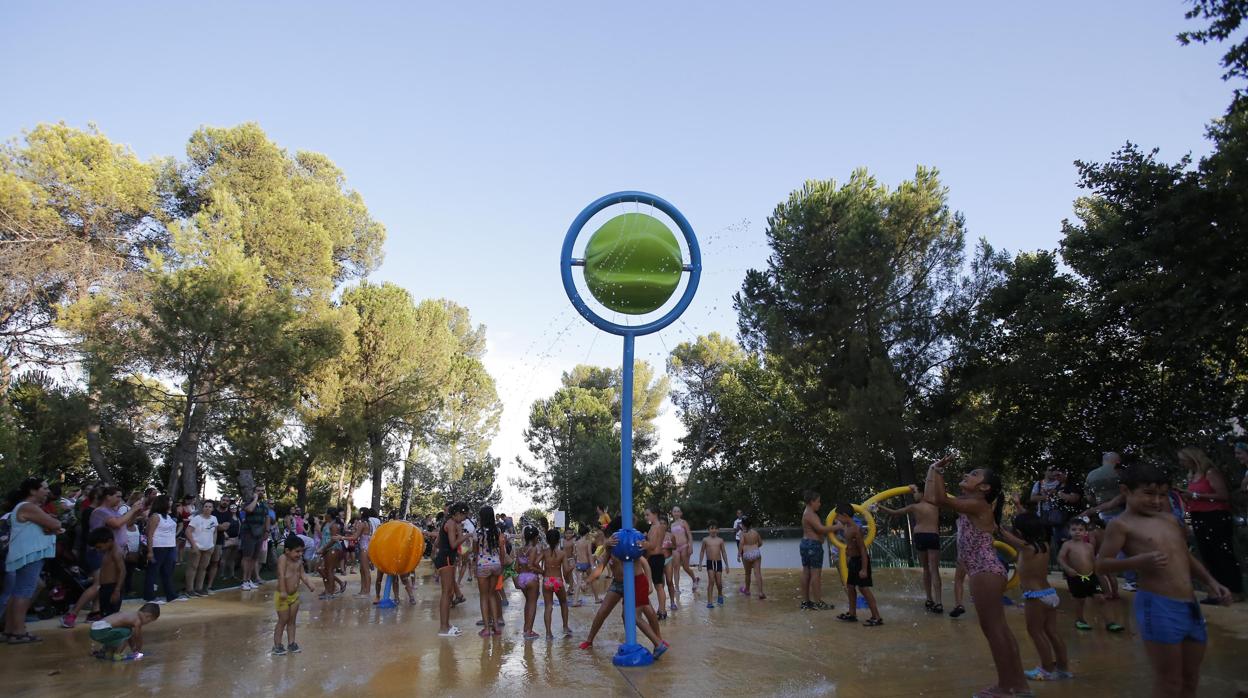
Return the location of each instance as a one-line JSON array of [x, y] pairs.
[[694, 267], [630, 653]]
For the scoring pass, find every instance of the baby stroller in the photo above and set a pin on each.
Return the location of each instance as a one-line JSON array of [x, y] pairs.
[[63, 582]]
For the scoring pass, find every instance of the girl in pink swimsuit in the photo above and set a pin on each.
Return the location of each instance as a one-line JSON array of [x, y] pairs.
[[684, 548], [553, 586], [979, 515], [528, 581]]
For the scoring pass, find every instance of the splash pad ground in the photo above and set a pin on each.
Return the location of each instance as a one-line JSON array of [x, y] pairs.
[[747, 647]]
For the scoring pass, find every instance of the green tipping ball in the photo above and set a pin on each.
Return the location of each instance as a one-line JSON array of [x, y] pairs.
[[633, 264]]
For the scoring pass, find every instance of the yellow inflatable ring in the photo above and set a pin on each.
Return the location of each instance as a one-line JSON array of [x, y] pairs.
[[887, 494], [1008, 550]]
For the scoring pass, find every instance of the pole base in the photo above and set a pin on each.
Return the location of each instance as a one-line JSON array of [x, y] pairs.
[[632, 655], [391, 585]]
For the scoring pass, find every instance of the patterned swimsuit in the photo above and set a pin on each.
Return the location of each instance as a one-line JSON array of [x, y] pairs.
[[975, 550]]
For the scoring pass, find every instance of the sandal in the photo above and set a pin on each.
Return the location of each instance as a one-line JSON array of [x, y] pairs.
[[957, 611], [23, 639], [874, 622], [848, 617], [937, 608]]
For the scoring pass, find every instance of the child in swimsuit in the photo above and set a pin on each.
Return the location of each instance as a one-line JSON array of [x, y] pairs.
[[979, 513], [716, 556], [1078, 561], [1167, 614], [647, 620], [750, 555], [491, 554], [553, 586], [528, 563], [581, 554], [445, 561], [658, 549], [1040, 599], [858, 568], [286, 601], [683, 540]]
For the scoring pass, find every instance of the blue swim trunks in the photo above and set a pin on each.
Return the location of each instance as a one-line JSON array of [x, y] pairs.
[[1168, 621], [812, 553]]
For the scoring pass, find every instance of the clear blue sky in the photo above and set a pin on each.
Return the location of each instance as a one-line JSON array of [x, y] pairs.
[[476, 131]]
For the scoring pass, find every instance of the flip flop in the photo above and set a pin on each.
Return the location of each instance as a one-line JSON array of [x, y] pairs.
[[874, 622], [23, 639], [848, 618], [452, 632]]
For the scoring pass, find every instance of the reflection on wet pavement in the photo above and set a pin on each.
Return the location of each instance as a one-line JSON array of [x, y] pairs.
[[746, 647]]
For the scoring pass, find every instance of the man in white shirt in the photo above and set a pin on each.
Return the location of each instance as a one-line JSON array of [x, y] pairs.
[[201, 533]]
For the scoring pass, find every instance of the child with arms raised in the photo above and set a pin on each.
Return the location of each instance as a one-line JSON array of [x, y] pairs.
[[926, 545], [1167, 614], [979, 515], [1040, 599]]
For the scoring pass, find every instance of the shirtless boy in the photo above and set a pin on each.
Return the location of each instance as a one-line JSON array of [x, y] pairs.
[[1167, 614], [121, 634], [289, 576], [716, 557], [582, 551], [859, 568], [926, 544], [811, 551], [1078, 561]]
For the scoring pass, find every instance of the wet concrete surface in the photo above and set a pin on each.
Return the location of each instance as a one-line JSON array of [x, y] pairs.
[[220, 646]]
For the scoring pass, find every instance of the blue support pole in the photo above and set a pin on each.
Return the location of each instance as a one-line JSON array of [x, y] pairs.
[[630, 653], [386, 601]]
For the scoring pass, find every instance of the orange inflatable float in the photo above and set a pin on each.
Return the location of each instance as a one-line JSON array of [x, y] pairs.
[[396, 547]]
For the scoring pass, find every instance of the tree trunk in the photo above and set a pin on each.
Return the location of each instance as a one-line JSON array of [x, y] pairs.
[[184, 473], [301, 484], [246, 484], [904, 458], [377, 456], [342, 474], [93, 428], [405, 498]]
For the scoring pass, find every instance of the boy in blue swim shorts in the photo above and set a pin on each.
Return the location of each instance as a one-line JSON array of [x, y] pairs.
[[811, 550], [1167, 615]]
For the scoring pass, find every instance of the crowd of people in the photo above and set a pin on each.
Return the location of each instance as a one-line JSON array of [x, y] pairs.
[[1125, 519]]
